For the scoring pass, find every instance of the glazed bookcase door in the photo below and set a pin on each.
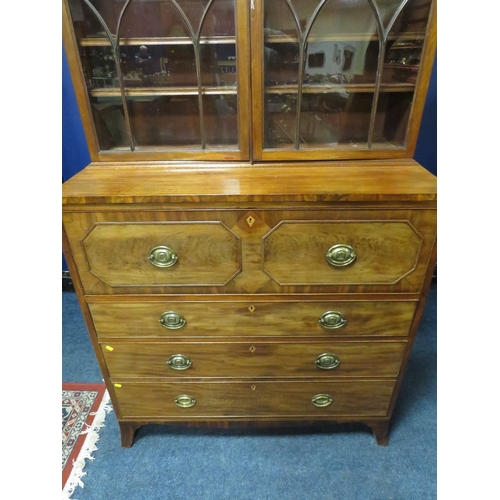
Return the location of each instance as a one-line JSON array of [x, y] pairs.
[[337, 79], [161, 79]]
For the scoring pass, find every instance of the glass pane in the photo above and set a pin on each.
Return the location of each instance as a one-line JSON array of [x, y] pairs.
[[341, 62], [279, 19], [109, 121], [154, 18], [280, 120], [220, 19], [146, 18], [340, 44], [163, 120], [142, 18], [221, 119], [99, 67], [323, 71], [326, 119], [160, 66], [165, 55], [405, 43], [402, 62], [225, 55], [174, 121], [413, 18], [86, 24], [335, 118], [281, 63], [392, 118]]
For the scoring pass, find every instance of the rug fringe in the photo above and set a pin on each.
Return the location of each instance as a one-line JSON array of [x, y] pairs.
[[89, 446]]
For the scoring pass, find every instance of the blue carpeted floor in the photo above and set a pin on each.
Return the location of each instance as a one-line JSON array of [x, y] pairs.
[[171, 463]]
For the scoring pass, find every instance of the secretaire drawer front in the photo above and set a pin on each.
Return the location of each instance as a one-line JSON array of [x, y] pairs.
[[245, 318], [341, 252], [254, 399], [253, 359], [160, 254], [243, 251]]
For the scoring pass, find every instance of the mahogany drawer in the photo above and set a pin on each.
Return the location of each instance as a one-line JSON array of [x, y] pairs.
[[370, 252], [126, 254], [270, 251], [249, 399], [242, 318], [253, 359]]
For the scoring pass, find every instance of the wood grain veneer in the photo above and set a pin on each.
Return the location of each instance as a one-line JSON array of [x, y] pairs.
[[276, 399], [219, 252], [251, 226], [268, 255], [130, 183], [252, 359], [243, 318], [117, 253]]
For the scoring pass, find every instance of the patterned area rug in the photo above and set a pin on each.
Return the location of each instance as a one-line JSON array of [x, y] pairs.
[[84, 409]]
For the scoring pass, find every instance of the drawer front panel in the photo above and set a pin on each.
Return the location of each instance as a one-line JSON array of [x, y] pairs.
[[331, 253], [242, 319], [240, 251], [170, 253], [253, 359], [254, 399]]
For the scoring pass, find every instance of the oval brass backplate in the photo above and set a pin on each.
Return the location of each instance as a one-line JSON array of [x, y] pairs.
[[327, 361], [184, 401], [322, 400], [332, 320], [162, 256], [340, 255], [172, 320], [179, 362]]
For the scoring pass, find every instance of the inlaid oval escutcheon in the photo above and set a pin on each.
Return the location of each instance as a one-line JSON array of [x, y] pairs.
[[322, 400], [327, 361], [340, 255], [179, 362], [184, 401], [332, 320], [172, 320], [162, 256]]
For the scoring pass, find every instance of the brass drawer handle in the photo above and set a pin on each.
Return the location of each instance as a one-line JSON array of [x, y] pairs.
[[332, 320], [162, 257], [327, 361], [184, 401], [172, 320], [322, 400], [340, 255], [179, 362]]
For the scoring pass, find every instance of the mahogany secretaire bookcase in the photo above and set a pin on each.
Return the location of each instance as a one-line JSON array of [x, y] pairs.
[[252, 241]]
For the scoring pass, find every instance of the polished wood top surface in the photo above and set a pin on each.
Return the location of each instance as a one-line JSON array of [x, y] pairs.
[[156, 182]]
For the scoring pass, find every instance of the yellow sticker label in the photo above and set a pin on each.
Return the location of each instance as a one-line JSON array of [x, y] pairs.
[[109, 348], [117, 385]]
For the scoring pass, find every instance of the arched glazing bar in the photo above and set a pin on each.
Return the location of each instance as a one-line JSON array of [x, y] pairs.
[[383, 33], [195, 37], [114, 40], [302, 36]]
